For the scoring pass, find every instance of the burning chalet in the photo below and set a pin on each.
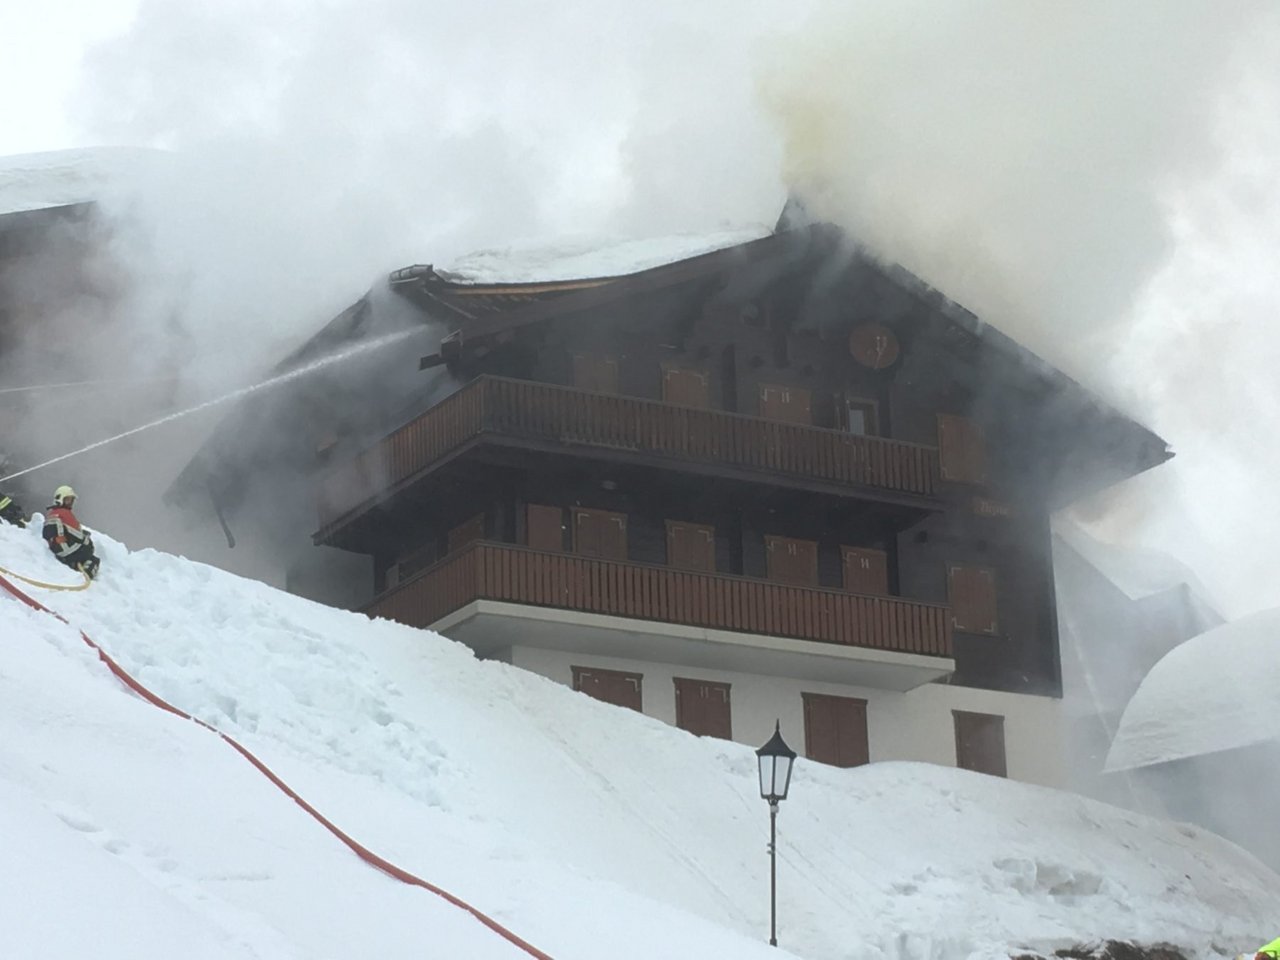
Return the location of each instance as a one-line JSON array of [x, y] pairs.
[[775, 480]]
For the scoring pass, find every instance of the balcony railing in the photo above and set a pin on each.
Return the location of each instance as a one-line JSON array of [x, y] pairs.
[[492, 571], [525, 411]]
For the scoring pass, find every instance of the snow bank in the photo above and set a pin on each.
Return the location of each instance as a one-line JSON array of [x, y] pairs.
[[591, 830], [586, 257], [1216, 691], [36, 181]]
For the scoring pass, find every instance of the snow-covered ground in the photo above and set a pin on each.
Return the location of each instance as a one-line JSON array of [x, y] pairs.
[[1217, 691], [590, 830], [589, 257]]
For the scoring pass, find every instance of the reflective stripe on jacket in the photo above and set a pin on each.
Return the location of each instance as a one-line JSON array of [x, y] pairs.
[[62, 531]]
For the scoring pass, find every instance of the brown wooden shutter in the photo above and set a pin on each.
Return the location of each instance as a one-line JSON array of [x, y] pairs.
[[689, 388], [702, 708], [866, 571], [972, 594], [980, 743], [611, 686], [962, 455], [792, 561], [544, 527], [600, 533], [835, 730], [595, 373], [691, 546], [464, 533], [791, 404]]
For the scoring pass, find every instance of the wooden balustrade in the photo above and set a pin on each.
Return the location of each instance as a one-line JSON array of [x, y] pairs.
[[538, 412], [492, 571]]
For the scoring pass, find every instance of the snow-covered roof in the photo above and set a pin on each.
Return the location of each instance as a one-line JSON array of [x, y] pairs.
[[1138, 573], [59, 178], [1217, 691], [589, 257]]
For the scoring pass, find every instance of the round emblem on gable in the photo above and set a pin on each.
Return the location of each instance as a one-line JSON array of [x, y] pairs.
[[873, 345]]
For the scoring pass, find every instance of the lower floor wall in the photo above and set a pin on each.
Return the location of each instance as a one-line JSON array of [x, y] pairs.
[[934, 723]]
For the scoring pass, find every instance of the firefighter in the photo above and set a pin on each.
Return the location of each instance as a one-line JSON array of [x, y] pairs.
[[9, 510], [71, 543]]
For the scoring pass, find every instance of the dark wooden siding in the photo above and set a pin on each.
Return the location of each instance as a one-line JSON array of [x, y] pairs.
[[835, 730], [980, 743], [464, 533], [702, 708]]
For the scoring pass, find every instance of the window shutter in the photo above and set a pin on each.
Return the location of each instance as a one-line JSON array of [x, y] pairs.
[[866, 571], [600, 533], [611, 686], [792, 561], [972, 592], [835, 730], [980, 743], [688, 388], [961, 450], [544, 527], [789, 404], [702, 708], [594, 373], [691, 546]]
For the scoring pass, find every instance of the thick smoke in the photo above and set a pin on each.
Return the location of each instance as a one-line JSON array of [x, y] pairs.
[[1043, 163], [307, 151], [1017, 155]]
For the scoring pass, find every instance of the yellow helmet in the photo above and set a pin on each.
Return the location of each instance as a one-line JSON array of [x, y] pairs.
[[63, 494]]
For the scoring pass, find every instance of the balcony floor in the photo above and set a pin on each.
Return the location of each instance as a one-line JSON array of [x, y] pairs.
[[490, 626]]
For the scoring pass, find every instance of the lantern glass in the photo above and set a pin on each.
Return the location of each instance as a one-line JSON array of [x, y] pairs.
[[775, 759]]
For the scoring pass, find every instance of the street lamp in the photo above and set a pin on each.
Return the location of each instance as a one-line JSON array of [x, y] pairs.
[[775, 759]]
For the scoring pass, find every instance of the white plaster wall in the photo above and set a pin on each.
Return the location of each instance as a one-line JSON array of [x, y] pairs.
[[916, 725]]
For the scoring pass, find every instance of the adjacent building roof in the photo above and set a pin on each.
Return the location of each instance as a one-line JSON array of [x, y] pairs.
[[63, 178], [1217, 691]]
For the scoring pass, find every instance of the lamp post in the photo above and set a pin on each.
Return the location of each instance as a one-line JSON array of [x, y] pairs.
[[775, 759]]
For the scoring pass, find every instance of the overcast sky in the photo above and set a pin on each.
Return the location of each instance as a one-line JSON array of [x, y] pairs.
[[42, 46]]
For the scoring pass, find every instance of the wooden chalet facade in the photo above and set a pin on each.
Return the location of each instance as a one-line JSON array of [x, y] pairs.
[[776, 480]]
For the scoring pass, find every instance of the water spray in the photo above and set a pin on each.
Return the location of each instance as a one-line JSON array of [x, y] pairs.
[[87, 383], [233, 395]]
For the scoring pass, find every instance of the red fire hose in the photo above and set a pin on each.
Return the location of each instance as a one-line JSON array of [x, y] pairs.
[[361, 851]]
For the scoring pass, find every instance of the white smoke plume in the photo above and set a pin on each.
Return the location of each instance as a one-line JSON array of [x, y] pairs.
[[1096, 178]]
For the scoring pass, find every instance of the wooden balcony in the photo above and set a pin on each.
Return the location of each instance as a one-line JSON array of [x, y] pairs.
[[545, 416], [879, 627]]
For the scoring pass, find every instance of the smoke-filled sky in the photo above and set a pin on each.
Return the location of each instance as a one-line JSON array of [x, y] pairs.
[[1098, 179]]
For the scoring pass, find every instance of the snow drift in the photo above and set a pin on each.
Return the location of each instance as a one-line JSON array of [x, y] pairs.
[[1218, 691], [589, 830]]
